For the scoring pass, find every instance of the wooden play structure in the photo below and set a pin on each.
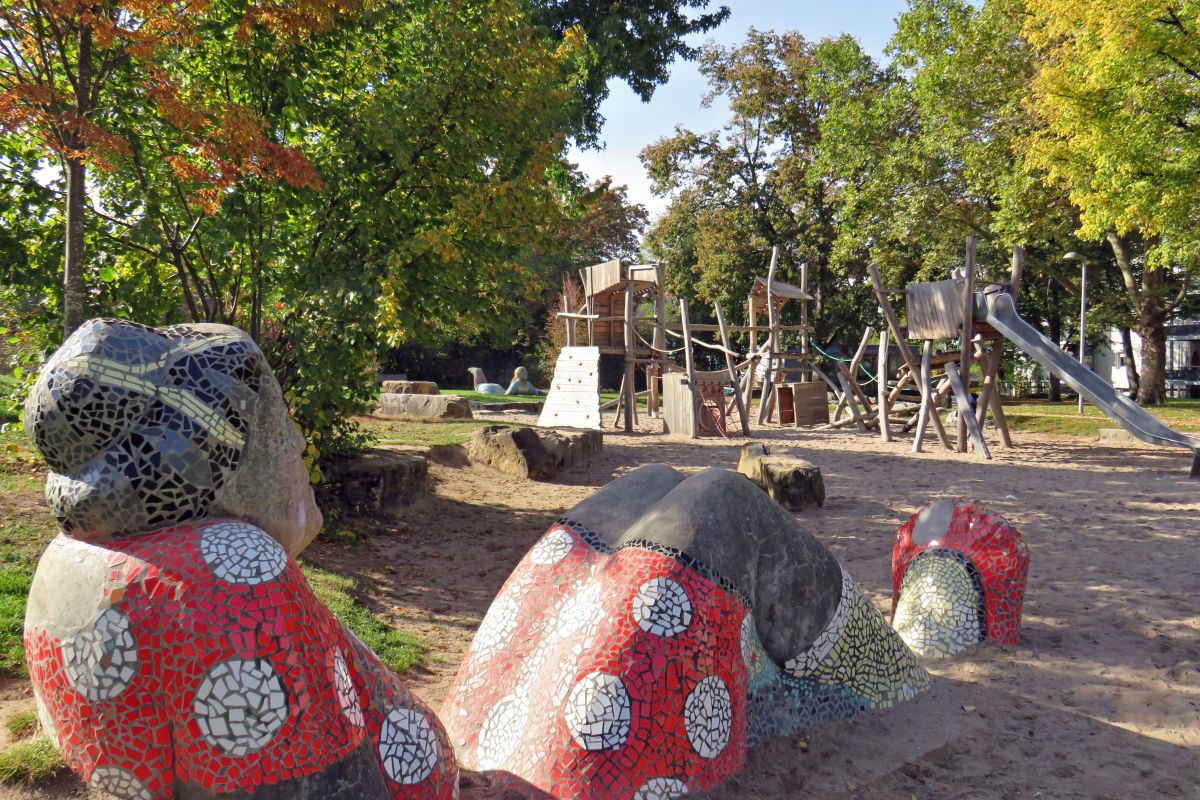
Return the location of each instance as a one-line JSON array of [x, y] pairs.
[[936, 311], [690, 402]]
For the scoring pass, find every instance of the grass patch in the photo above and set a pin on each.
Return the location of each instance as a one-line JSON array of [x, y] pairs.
[[22, 724], [400, 651], [426, 434], [25, 528], [1064, 418], [29, 762]]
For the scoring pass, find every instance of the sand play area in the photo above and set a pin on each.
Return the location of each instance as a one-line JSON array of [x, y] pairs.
[[1100, 698]]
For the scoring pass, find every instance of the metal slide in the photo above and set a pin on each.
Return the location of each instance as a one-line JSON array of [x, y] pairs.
[[999, 311]]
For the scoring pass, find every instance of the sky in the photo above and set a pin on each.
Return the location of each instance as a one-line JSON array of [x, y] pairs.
[[631, 124]]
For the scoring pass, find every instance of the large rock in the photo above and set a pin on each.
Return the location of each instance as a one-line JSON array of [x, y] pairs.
[[571, 446], [425, 406], [376, 480], [535, 453], [791, 481], [409, 387]]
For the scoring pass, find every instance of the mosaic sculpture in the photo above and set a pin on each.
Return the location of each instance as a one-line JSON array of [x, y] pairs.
[[174, 647], [658, 630], [480, 382], [958, 578], [520, 383]]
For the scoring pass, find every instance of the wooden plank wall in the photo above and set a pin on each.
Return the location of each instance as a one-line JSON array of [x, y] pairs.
[[678, 400], [574, 399], [811, 403], [935, 310]]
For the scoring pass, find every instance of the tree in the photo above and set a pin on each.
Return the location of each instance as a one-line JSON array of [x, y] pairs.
[[1118, 90], [635, 41], [754, 185], [70, 70]]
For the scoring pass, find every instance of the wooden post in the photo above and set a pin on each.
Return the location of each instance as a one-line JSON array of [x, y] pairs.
[[890, 316], [570, 323], [660, 343], [737, 395], [630, 359], [926, 395], [968, 333], [936, 418], [852, 403], [884, 407], [686, 321], [766, 400], [805, 355], [965, 415]]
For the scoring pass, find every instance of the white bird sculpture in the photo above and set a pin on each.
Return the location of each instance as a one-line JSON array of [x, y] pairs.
[[481, 384]]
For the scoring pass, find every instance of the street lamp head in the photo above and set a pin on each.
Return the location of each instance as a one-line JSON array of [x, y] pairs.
[[1073, 256]]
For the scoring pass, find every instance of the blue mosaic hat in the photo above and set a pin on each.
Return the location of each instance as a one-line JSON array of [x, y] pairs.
[[141, 427]]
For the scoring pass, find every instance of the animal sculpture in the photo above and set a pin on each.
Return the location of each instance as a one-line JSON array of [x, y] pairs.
[[174, 646], [520, 383], [958, 578], [480, 382], [658, 630]]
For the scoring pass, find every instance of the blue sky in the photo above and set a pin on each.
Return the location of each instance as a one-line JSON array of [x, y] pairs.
[[631, 124]]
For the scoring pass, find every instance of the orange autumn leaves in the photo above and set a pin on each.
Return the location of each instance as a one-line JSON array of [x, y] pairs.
[[53, 90]]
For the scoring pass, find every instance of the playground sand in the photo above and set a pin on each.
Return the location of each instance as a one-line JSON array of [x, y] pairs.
[[1100, 698]]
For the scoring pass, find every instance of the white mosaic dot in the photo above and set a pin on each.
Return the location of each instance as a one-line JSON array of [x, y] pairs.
[[597, 712], [552, 548], [241, 554], [343, 685], [240, 706], [661, 606], [497, 627], [501, 731], [708, 716], [119, 783], [661, 789], [101, 663], [408, 746], [747, 639]]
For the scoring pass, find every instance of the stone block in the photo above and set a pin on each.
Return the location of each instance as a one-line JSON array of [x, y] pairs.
[[425, 406], [409, 387], [791, 481], [535, 453], [376, 480], [571, 446]]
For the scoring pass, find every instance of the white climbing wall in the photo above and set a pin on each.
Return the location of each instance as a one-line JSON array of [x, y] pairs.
[[574, 398]]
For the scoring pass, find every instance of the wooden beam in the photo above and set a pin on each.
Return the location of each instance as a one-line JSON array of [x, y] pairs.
[[966, 415], [732, 372], [968, 300], [890, 316], [884, 407], [853, 405], [689, 364], [1018, 267], [630, 366], [766, 399], [926, 395]]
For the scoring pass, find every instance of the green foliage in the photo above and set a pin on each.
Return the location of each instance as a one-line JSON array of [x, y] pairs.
[[30, 762], [400, 651], [635, 41]]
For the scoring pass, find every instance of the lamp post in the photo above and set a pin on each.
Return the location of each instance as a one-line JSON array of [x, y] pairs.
[[1073, 256]]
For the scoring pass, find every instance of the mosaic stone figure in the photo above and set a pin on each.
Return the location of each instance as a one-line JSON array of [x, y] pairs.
[[174, 647], [480, 382], [958, 577], [520, 383], [658, 630]]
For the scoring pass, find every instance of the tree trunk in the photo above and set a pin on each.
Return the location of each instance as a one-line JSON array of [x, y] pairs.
[[1152, 388], [1131, 372], [1056, 337], [74, 289]]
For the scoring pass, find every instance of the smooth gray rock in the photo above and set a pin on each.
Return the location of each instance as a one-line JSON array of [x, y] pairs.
[[791, 481], [376, 480], [425, 406]]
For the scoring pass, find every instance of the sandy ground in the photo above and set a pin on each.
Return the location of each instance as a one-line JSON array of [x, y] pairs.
[[1100, 698]]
